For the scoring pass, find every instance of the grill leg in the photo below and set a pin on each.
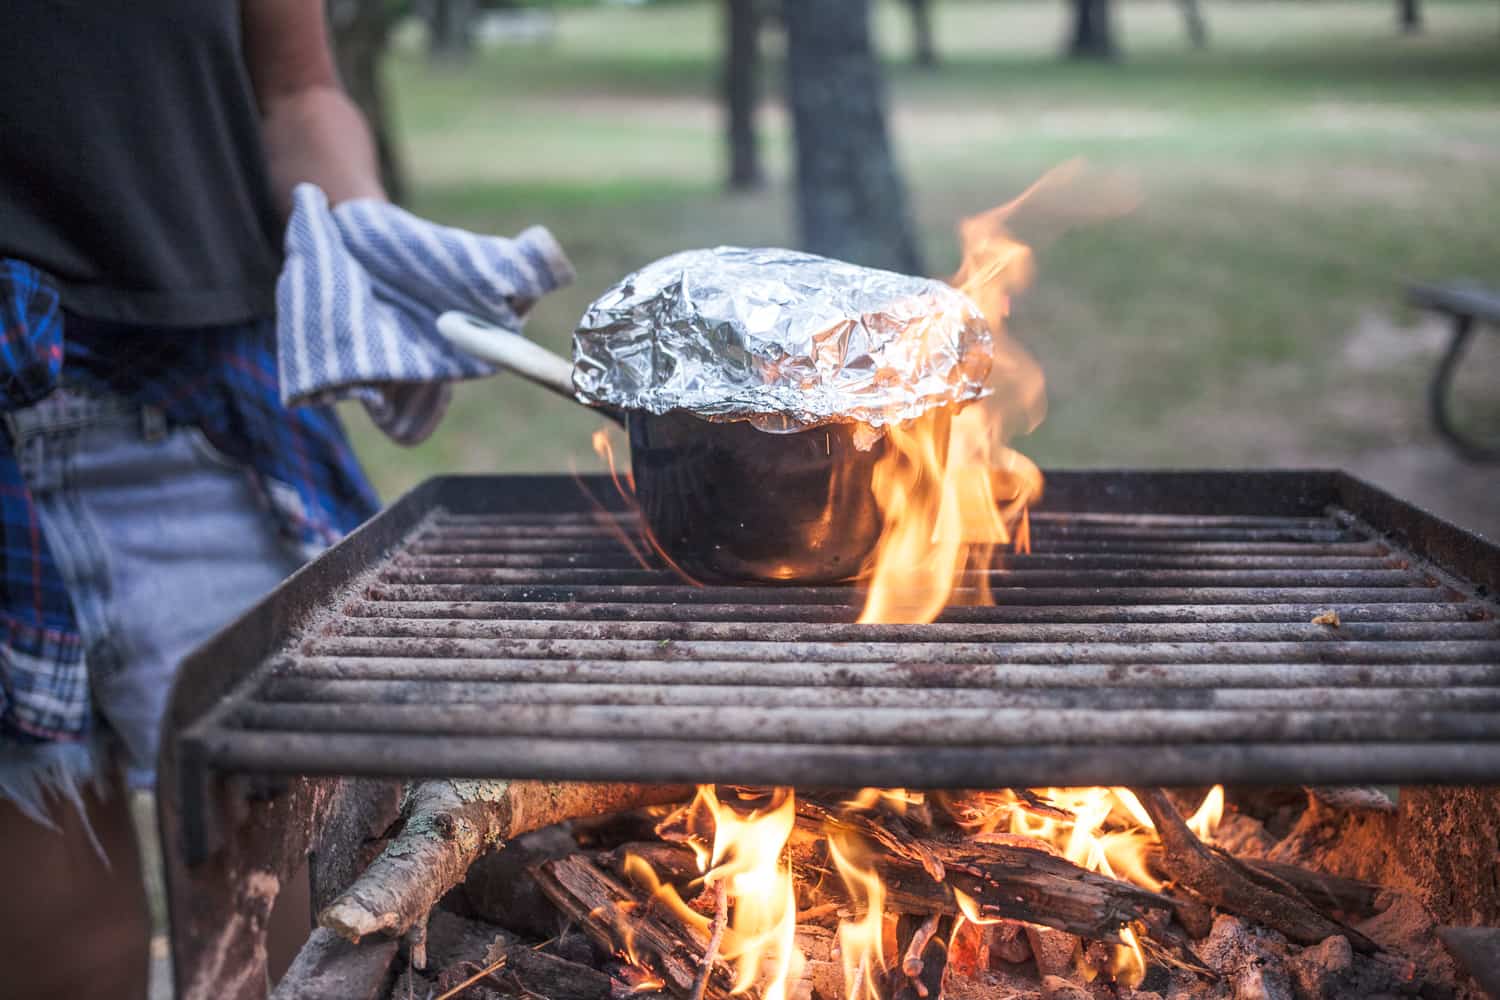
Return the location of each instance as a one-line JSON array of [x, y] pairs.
[[1440, 392]]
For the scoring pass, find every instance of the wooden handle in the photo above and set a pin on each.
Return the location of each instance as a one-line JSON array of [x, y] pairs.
[[510, 351]]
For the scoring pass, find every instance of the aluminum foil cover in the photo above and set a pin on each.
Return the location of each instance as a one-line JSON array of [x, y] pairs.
[[786, 340]]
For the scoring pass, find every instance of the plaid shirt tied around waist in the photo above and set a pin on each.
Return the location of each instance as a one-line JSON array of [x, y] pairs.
[[222, 381]]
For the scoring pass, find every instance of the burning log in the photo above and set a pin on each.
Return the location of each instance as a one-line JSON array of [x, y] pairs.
[[923, 946], [624, 924], [1002, 880], [1333, 895], [1227, 882], [451, 823]]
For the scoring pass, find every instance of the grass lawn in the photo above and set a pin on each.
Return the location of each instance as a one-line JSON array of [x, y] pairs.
[[1290, 178]]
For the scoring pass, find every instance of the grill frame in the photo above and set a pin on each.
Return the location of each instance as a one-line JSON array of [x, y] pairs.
[[1457, 572], [231, 838]]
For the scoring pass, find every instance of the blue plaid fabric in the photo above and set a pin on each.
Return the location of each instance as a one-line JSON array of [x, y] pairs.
[[221, 380]]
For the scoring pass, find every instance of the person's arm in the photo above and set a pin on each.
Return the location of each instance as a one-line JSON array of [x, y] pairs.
[[311, 130]]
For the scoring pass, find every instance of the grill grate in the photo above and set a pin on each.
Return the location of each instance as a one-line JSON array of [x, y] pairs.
[[1162, 632]]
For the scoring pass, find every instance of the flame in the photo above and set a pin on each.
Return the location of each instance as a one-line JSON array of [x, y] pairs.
[[607, 519], [949, 489], [1205, 821], [743, 853], [862, 938]]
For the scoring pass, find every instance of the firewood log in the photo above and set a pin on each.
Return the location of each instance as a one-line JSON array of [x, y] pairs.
[[1003, 880], [1229, 884], [623, 921], [451, 823]]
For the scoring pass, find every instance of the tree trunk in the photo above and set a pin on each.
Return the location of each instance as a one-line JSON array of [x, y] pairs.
[[1197, 28], [924, 50], [741, 69], [851, 204], [361, 29], [1093, 35], [1411, 16], [451, 30]]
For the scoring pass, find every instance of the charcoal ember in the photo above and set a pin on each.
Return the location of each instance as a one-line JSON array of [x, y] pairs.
[[1251, 960], [576, 946], [672, 863], [1182, 984], [1317, 971], [969, 951], [1007, 943], [1058, 988], [500, 890], [823, 973], [453, 940]]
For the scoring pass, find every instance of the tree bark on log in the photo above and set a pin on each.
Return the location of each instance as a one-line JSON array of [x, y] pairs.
[[451, 823], [544, 975], [922, 957], [622, 922], [1004, 881], [741, 92], [1331, 894], [1093, 31], [851, 204], [1228, 883]]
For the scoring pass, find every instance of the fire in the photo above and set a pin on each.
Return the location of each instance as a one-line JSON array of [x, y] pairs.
[[743, 850], [625, 486], [861, 938], [742, 856], [950, 491]]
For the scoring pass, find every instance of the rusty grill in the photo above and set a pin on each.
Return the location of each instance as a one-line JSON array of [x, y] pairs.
[[1162, 632]]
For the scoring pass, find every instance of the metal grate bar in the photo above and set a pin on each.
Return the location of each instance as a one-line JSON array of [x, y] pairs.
[[950, 632], [1132, 645], [496, 612], [649, 596], [1008, 676]]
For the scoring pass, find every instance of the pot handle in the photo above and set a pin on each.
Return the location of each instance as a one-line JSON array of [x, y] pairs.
[[510, 351]]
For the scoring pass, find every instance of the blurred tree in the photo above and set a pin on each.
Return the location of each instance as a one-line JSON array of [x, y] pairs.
[[450, 30], [1197, 28], [850, 200], [1093, 36], [361, 30], [924, 50], [1410, 15], [741, 91]]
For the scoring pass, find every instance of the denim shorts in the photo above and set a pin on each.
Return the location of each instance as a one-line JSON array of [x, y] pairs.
[[161, 541]]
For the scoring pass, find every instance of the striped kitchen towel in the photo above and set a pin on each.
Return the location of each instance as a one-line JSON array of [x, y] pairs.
[[360, 291]]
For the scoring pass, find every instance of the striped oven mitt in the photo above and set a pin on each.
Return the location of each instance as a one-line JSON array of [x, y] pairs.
[[359, 293]]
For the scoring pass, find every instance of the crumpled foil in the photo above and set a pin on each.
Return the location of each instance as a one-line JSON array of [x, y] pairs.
[[786, 340]]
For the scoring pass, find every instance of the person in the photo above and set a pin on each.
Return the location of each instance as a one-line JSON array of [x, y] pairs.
[[152, 485]]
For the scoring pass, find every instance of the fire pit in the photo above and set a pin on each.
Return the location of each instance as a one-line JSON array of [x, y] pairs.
[[1171, 629]]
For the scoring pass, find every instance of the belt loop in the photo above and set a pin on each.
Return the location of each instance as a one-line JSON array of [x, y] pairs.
[[153, 424]]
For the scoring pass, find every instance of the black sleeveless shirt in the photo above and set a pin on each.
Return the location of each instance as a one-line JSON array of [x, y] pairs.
[[131, 166]]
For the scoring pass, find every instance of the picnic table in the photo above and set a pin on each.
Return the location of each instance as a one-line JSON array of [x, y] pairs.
[[1469, 305]]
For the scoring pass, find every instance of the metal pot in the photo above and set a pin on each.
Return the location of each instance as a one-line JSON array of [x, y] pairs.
[[724, 500]]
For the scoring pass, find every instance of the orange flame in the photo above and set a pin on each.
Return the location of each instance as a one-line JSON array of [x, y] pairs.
[[949, 489], [606, 519], [862, 938], [745, 854]]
